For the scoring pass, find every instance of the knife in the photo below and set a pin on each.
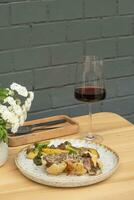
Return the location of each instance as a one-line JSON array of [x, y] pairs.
[[40, 126]]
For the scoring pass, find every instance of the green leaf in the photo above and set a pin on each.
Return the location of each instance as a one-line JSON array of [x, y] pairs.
[[4, 92], [3, 133], [2, 122]]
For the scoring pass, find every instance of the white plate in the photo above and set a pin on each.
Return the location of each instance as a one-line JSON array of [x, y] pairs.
[[109, 158]]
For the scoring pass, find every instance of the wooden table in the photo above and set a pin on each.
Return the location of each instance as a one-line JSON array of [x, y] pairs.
[[117, 133]]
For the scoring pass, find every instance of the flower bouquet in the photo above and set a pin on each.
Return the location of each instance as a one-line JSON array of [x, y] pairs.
[[15, 102]]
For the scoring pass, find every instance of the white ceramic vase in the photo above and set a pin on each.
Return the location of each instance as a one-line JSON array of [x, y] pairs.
[[3, 152]]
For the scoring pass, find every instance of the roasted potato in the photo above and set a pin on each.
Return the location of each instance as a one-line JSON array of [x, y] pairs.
[[56, 169], [78, 169]]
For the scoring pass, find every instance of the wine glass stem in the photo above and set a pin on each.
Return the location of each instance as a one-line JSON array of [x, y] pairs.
[[90, 134]]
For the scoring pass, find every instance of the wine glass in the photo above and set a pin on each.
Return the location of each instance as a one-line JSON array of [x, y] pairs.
[[90, 87]]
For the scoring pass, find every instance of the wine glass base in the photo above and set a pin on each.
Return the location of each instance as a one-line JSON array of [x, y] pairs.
[[94, 138]]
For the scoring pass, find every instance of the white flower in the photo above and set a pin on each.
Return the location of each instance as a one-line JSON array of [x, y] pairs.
[[13, 112], [22, 120], [21, 90], [18, 101], [31, 95], [27, 105], [7, 115], [10, 92], [10, 100], [24, 112], [16, 108], [15, 127], [28, 101], [10, 108]]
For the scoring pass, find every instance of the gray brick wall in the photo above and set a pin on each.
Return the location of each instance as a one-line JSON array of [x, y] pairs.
[[42, 40]]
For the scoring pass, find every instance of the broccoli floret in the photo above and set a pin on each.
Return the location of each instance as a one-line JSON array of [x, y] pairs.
[[37, 160], [67, 143], [39, 146]]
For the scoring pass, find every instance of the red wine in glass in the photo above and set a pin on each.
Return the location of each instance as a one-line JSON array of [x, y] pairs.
[[90, 94], [90, 87]]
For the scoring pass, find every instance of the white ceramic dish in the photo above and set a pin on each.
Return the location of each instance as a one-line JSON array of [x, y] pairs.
[[109, 158]]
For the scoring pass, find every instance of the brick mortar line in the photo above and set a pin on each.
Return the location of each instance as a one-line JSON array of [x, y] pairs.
[[43, 45], [43, 67], [119, 77], [120, 98], [55, 87], [58, 107], [55, 108], [46, 67], [117, 7], [67, 20], [95, 17], [126, 14], [66, 64], [73, 105], [73, 84], [30, 25], [67, 107], [122, 56], [16, 26], [118, 36], [14, 72], [66, 31], [62, 66], [125, 97], [9, 16], [133, 24], [110, 37], [83, 9], [119, 57], [55, 66], [62, 20], [65, 43], [117, 46], [69, 42]]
